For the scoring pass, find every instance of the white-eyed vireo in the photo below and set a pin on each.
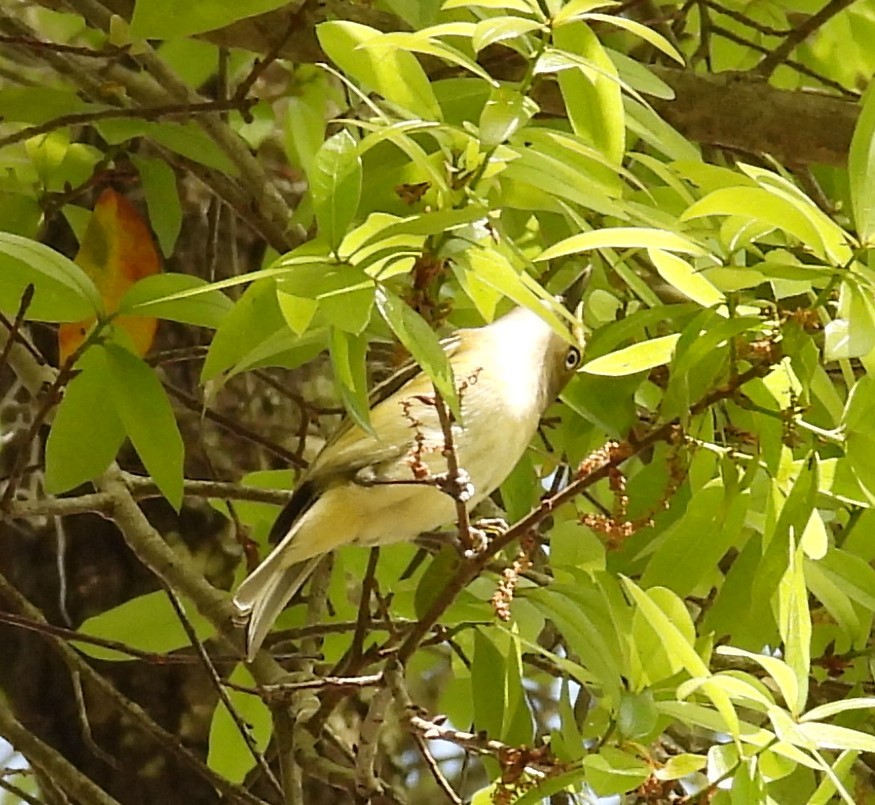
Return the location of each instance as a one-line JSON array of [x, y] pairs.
[[358, 490]]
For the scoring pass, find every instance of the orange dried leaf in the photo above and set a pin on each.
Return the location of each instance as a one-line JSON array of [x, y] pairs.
[[116, 251]]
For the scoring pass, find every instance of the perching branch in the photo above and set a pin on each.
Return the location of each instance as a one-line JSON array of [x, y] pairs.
[[595, 468], [51, 762]]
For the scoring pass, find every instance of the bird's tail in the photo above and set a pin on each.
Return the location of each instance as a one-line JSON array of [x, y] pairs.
[[263, 594]]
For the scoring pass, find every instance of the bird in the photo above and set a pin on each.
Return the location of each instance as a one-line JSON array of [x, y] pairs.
[[381, 487]]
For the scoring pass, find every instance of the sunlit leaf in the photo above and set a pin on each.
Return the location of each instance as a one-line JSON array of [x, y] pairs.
[[637, 358], [622, 238], [861, 169], [422, 343], [336, 186], [390, 70]]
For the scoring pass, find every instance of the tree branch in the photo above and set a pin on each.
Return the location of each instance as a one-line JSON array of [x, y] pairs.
[[799, 34], [593, 469], [66, 776]]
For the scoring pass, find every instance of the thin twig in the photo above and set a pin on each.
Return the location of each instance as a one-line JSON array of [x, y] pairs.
[[282, 690], [14, 328], [141, 488], [363, 621], [220, 689], [19, 792], [57, 639], [235, 428], [463, 520], [139, 113], [261, 65], [107, 52], [759, 27], [799, 34], [85, 725], [57, 768], [395, 678], [367, 783], [719, 30], [435, 769], [592, 470]]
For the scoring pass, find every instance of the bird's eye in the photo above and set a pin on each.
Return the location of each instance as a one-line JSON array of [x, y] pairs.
[[572, 358]]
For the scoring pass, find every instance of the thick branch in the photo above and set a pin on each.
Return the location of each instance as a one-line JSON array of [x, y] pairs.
[[746, 114], [55, 765]]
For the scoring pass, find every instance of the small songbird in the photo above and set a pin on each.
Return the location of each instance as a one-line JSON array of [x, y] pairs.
[[372, 489]]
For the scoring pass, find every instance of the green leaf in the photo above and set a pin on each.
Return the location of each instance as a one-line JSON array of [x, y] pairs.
[[379, 229], [187, 139], [62, 290], [36, 104], [580, 616], [305, 127], [422, 343], [777, 669], [842, 769], [841, 706], [636, 714], [637, 358], [593, 97], [148, 298], [523, 6], [852, 333], [572, 9], [167, 19], [613, 771], [86, 432], [391, 71], [708, 528], [681, 275], [854, 576], [622, 238], [758, 204], [505, 113], [861, 169], [794, 624], [499, 29], [830, 736], [860, 453], [144, 410], [350, 374], [336, 186], [298, 311], [344, 293], [254, 318], [229, 755], [857, 414], [146, 623], [162, 199], [647, 34], [495, 270], [425, 42], [488, 685], [670, 621]]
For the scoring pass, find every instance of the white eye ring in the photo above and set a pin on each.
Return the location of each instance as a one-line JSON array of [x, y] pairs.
[[572, 358]]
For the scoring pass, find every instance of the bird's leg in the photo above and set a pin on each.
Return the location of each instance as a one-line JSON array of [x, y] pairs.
[[458, 486], [482, 531]]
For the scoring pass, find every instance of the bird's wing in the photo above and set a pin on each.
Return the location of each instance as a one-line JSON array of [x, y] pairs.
[[350, 449]]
